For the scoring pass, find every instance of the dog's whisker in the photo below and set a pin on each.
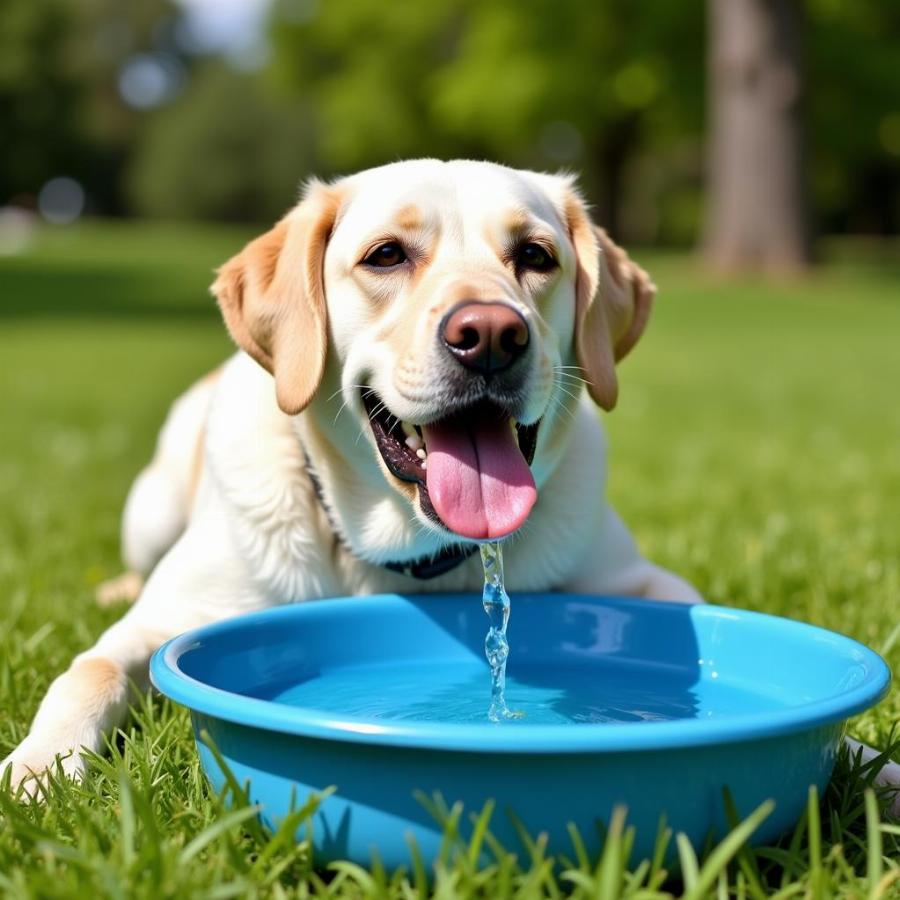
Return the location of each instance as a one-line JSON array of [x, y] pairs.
[[422, 530], [576, 378], [342, 407], [362, 387], [346, 403], [576, 368], [566, 408], [567, 392], [562, 409], [558, 405], [572, 379], [558, 381], [377, 411], [562, 404]]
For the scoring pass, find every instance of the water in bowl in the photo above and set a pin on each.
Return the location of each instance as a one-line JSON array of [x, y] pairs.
[[452, 691], [544, 689], [544, 692]]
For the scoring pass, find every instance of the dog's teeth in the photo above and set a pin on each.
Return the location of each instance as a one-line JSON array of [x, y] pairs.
[[420, 452], [408, 429], [414, 442], [424, 463]]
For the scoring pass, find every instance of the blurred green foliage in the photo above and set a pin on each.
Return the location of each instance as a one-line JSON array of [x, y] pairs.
[[547, 84], [226, 149], [854, 113], [60, 111], [613, 89]]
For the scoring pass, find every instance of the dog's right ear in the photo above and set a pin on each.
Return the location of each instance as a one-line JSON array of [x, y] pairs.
[[613, 300], [272, 296]]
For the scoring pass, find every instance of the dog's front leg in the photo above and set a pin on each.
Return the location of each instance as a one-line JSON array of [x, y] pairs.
[[201, 579], [614, 565]]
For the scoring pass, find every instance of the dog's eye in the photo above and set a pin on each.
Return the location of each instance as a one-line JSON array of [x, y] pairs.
[[385, 256], [534, 257]]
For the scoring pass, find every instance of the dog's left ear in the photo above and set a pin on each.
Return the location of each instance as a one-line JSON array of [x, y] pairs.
[[613, 300], [272, 297]]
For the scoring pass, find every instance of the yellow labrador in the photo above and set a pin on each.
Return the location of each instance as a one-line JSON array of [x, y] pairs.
[[415, 342]]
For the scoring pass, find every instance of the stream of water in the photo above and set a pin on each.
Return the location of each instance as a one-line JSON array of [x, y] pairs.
[[496, 647]]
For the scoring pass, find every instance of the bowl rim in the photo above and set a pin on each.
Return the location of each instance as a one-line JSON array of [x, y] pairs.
[[487, 737]]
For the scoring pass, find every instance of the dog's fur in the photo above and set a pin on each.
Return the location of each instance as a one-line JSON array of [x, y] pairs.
[[225, 519]]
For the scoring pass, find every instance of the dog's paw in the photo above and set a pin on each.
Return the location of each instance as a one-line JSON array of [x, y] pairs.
[[661, 584], [30, 763], [888, 776], [124, 588]]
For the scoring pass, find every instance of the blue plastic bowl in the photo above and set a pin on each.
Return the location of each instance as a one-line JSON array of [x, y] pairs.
[[652, 705]]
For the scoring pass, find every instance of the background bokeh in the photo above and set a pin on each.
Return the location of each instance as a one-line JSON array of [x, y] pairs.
[[216, 110]]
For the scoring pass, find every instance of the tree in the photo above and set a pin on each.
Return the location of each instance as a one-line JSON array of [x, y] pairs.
[[854, 114], [60, 108], [226, 149], [547, 84], [757, 194], [38, 101]]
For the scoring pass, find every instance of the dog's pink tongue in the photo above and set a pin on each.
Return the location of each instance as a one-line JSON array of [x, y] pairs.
[[478, 480]]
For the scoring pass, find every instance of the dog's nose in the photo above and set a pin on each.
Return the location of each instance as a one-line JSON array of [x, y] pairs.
[[486, 337]]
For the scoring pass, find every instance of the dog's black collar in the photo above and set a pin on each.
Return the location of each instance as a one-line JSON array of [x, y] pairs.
[[423, 568], [431, 566]]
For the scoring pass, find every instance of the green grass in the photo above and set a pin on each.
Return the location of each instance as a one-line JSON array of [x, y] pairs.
[[755, 451]]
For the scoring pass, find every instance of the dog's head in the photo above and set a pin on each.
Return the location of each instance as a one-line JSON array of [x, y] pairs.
[[457, 307]]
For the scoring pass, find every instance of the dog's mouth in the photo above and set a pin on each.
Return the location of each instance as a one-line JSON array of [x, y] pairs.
[[471, 468]]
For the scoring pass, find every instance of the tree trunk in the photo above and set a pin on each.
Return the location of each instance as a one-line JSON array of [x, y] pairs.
[[756, 196], [610, 154]]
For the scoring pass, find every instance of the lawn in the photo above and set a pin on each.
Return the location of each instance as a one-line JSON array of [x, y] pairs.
[[755, 451]]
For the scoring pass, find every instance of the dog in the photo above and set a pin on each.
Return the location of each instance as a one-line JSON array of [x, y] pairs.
[[422, 348]]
